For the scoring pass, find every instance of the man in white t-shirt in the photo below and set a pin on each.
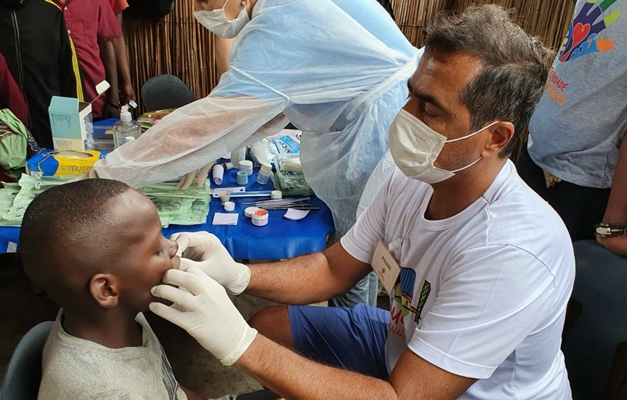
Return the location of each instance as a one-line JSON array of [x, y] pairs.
[[485, 266]]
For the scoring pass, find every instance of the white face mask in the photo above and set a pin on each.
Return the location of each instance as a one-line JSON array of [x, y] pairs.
[[217, 23], [415, 147]]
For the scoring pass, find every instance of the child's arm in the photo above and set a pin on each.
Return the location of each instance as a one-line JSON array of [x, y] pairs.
[[192, 395]]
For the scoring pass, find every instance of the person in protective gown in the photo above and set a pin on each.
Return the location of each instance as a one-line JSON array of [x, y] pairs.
[[335, 69]]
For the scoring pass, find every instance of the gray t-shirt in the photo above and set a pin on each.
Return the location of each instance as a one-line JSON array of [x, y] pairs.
[[580, 122], [79, 369]]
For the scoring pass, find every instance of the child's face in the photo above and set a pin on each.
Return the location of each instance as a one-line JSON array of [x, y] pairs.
[[145, 254]]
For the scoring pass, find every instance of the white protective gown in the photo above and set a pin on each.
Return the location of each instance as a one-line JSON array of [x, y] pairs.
[[337, 69]]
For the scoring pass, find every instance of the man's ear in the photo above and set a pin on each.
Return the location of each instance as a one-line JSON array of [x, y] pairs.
[[500, 135], [104, 289]]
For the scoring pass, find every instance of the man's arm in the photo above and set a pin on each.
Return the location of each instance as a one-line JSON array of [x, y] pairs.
[[189, 139], [124, 74], [616, 210], [107, 54], [295, 377], [307, 279], [223, 47]]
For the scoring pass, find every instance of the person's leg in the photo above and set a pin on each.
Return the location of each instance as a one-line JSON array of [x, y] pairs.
[[274, 323], [580, 208], [258, 395], [532, 174], [352, 339]]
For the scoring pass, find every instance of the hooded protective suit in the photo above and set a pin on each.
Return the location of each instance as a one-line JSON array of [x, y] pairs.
[[337, 70]]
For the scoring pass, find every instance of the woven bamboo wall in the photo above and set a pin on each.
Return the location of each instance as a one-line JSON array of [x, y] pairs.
[[178, 45]]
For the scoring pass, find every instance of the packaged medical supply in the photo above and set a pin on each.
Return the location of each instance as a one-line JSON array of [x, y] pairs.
[[7, 196], [29, 188], [125, 129], [174, 206], [51, 163], [289, 177], [285, 142], [179, 207], [71, 121], [149, 119]]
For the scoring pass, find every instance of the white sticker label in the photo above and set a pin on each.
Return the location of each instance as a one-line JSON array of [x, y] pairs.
[[12, 247], [386, 267]]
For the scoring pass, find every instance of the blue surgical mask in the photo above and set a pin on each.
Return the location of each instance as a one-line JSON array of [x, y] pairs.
[[217, 23]]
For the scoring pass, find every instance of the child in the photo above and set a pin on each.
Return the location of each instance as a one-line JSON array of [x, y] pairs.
[[95, 247]]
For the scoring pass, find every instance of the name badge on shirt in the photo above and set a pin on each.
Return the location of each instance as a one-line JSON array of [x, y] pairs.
[[385, 266]]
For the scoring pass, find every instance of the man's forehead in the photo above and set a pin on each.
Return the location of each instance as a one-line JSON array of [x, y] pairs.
[[443, 77]]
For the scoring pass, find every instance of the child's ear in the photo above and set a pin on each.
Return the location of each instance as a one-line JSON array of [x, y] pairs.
[[104, 289]]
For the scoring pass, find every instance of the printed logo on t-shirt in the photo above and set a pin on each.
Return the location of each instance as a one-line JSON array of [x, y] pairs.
[[402, 306], [582, 39]]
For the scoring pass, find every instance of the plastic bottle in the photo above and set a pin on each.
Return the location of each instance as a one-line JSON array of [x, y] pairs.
[[238, 155], [125, 128], [264, 174]]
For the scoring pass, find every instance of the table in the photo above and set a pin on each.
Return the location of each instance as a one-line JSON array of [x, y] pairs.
[[280, 239]]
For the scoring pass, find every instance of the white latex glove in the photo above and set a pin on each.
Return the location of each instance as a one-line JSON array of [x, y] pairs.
[[208, 314], [200, 176], [207, 253]]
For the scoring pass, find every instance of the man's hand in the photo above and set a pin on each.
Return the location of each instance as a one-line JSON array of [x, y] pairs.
[[209, 316], [616, 245], [127, 93], [200, 176], [206, 252]]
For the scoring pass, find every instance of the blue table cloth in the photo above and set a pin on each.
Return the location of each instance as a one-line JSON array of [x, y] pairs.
[[281, 238]]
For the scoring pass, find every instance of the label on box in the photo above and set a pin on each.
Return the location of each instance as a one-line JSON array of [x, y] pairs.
[[63, 163]]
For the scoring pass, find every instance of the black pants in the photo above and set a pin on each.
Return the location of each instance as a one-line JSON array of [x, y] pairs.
[[580, 207]]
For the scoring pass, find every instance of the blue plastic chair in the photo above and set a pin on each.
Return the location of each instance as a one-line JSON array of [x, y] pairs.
[[592, 344], [23, 374]]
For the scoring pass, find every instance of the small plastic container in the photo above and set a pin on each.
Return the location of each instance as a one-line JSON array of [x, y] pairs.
[[229, 206], [264, 174], [246, 165], [242, 177], [260, 217]]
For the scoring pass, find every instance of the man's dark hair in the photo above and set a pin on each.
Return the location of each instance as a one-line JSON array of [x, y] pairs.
[[62, 221], [515, 70]]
